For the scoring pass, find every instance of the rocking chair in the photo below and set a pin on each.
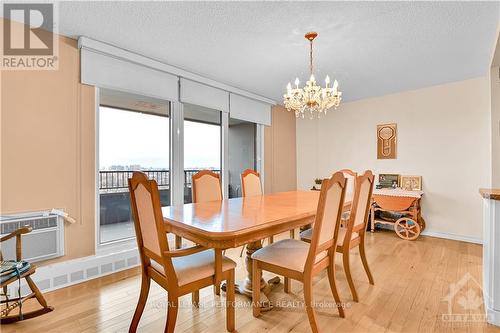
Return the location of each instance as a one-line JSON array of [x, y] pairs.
[[9, 304]]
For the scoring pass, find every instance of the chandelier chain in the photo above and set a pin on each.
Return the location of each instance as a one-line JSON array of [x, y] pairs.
[[311, 57]]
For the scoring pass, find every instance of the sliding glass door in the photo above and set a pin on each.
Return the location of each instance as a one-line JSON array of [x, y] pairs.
[[202, 143], [134, 134], [242, 149]]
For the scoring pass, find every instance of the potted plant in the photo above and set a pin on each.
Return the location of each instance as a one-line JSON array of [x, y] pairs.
[[318, 182]]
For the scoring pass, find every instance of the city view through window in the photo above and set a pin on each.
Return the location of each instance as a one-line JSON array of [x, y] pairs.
[[132, 140]]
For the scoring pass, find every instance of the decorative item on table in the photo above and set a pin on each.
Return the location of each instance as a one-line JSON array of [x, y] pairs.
[[317, 184], [386, 141], [411, 183], [387, 180]]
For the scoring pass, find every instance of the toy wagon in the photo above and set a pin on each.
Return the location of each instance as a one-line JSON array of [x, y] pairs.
[[399, 208]]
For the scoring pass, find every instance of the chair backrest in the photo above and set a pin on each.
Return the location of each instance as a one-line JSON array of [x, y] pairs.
[[250, 183], [206, 186], [361, 203], [351, 181], [327, 221], [149, 224]]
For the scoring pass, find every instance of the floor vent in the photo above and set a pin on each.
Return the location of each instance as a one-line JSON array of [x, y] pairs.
[[76, 276]]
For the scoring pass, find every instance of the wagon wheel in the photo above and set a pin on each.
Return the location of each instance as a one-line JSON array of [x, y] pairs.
[[407, 229], [421, 222]]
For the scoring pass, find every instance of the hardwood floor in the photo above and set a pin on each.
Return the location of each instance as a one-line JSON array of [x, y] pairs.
[[412, 280]]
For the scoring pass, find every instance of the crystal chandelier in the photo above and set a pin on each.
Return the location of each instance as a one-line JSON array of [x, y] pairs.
[[312, 98]]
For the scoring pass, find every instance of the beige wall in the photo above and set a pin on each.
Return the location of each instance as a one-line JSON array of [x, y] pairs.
[[48, 146], [443, 135], [279, 152]]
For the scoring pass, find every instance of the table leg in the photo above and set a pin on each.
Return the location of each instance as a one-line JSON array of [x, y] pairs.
[[372, 219], [245, 287]]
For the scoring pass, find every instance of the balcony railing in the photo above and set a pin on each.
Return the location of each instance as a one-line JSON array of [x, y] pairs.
[[118, 179]]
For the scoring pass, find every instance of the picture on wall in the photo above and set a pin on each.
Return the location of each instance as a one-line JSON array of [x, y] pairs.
[[411, 183], [386, 141]]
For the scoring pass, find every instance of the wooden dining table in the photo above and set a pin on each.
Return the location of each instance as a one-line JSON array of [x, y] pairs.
[[236, 222]]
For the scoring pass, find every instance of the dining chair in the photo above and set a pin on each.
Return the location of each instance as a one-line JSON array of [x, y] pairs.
[[350, 188], [179, 271], [205, 186], [251, 185], [351, 185], [301, 261], [353, 233]]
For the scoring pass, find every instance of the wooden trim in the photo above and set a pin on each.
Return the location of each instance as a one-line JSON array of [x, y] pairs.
[[18, 232], [489, 193], [349, 172], [184, 251]]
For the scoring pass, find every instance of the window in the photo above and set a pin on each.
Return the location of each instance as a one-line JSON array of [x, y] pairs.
[[202, 143], [134, 134], [241, 152]]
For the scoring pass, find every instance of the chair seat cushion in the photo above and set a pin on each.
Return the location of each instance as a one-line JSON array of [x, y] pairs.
[[307, 235], [195, 266], [287, 253]]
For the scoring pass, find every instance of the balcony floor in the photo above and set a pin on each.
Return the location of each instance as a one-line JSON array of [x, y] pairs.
[[116, 231]]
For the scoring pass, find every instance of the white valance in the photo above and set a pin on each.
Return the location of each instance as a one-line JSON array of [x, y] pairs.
[[106, 71], [248, 109], [107, 66], [200, 94]]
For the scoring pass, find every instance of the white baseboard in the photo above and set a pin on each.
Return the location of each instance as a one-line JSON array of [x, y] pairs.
[[493, 317], [446, 235], [67, 273]]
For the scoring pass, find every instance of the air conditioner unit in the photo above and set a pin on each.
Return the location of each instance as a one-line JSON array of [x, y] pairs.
[[46, 241]]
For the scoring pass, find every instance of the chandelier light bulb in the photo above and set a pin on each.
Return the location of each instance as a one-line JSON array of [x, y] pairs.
[[297, 82], [312, 78], [327, 80], [289, 87]]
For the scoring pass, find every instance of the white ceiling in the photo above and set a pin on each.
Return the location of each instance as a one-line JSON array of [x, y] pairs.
[[372, 48]]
